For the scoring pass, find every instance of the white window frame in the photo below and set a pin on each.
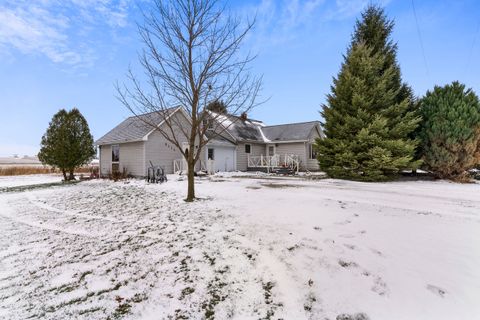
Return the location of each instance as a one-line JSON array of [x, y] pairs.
[[312, 154], [118, 146], [213, 154]]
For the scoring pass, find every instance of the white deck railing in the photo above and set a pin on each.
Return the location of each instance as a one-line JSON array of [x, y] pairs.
[[180, 166], [275, 161]]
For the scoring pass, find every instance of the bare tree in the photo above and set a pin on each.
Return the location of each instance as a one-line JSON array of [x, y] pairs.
[[191, 57]]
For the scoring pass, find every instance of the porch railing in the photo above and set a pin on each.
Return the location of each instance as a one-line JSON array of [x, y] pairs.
[[275, 161], [180, 166]]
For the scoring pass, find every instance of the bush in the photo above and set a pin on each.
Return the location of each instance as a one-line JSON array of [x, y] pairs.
[[118, 175], [450, 131]]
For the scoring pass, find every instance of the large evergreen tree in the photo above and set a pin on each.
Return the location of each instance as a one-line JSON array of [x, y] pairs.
[[67, 144], [450, 130], [369, 114]]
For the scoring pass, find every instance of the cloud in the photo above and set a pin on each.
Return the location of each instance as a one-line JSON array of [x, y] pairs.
[[279, 21], [58, 30], [283, 21], [345, 9]]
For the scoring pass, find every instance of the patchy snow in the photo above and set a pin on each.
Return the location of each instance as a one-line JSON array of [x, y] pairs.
[[251, 248], [30, 179]]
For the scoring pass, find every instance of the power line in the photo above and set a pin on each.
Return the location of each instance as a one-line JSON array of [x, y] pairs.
[[469, 60], [420, 39]]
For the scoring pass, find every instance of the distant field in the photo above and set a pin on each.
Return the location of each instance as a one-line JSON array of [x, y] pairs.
[[18, 170]]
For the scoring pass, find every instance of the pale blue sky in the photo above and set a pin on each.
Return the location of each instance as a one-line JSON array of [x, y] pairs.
[[69, 53]]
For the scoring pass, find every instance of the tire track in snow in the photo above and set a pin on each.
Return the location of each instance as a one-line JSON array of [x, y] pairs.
[[45, 206], [9, 213]]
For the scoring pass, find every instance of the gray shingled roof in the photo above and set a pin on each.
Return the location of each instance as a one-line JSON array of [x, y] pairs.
[[242, 130], [289, 132], [133, 128]]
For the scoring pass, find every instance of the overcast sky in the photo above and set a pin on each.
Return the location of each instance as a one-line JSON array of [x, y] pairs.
[[69, 53]]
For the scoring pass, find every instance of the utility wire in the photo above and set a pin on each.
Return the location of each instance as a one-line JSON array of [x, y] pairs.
[[420, 39], [469, 60]]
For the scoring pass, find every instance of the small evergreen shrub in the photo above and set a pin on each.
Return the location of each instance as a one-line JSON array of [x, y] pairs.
[[450, 131]]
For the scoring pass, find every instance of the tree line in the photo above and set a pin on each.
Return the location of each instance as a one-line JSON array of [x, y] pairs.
[[376, 128]]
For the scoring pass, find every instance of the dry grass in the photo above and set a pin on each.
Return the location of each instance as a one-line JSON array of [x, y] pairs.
[[24, 170]]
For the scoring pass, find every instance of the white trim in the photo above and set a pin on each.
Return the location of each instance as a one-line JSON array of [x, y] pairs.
[[286, 141], [235, 159], [117, 142], [145, 138], [267, 149]]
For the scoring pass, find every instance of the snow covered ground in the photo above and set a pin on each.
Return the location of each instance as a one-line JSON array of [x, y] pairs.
[[29, 179], [250, 249]]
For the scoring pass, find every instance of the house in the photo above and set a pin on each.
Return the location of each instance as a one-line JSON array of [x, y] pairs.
[[246, 144], [236, 143], [135, 142]]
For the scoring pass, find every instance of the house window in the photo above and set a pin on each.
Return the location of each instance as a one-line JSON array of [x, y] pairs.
[[208, 123], [211, 154], [247, 148], [115, 153], [271, 151], [312, 152]]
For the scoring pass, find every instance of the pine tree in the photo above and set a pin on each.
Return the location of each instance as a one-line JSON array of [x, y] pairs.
[[369, 113], [67, 144], [450, 130], [217, 106]]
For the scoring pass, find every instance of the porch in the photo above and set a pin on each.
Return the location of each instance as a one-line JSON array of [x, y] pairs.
[[273, 162]]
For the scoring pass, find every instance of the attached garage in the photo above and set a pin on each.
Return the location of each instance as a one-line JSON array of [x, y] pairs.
[[221, 155]]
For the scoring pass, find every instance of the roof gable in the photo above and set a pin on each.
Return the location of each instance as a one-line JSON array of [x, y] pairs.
[[135, 128]]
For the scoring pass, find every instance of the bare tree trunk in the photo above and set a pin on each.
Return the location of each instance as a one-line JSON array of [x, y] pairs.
[[191, 181], [64, 174], [192, 57], [71, 177]]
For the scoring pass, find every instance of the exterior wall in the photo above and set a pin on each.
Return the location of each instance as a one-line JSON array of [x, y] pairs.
[[256, 149], [225, 158], [312, 164], [162, 152], [105, 160], [132, 158], [298, 148]]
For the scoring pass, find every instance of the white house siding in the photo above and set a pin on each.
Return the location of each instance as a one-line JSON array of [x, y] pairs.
[[242, 157], [132, 158], [312, 164], [298, 148], [224, 157], [162, 152], [105, 159]]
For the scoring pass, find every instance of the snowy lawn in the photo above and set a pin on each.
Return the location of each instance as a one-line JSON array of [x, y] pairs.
[[252, 248], [29, 179]]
